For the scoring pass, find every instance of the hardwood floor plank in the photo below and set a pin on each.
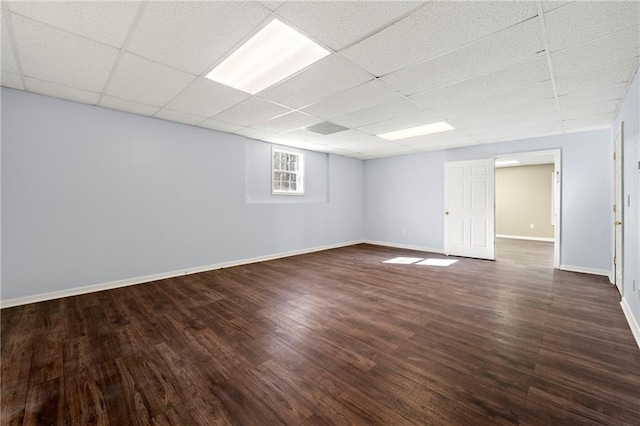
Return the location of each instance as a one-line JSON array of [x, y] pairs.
[[84, 396], [372, 411], [44, 404], [333, 337]]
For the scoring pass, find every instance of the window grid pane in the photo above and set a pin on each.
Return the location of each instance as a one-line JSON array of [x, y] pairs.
[[287, 174]]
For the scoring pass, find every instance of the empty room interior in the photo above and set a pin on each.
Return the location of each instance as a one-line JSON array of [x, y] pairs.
[[320, 212]]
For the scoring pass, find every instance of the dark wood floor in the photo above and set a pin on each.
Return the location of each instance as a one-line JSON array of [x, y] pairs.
[[334, 337]]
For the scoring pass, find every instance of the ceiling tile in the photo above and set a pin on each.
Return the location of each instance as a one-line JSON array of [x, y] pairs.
[[206, 98], [424, 146], [511, 78], [597, 53], [583, 21], [509, 137], [475, 126], [253, 133], [522, 127], [520, 133], [400, 123], [180, 117], [340, 137], [104, 21], [193, 36], [12, 80], [128, 106], [518, 96], [346, 135], [287, 122], [375, 114], [8, 62], [251, 111], [338, 23], [369, 94], [618, 72], [511, 46], [59, 91], [601, 94], [594, 121], [583, 111], [329, 76], [389, 150], [57, 56], [272, 5], [434, 29], [504, 113], [362, 144], [553, 4], [140, 80], [219, 125], [339, 151], [296, 143], [299, 135]]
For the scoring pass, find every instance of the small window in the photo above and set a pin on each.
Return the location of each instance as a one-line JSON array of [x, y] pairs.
[[288, 170]]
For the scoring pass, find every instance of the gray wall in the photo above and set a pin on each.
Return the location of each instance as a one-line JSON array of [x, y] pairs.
[[630, 114], [91, 195], [407, 193]]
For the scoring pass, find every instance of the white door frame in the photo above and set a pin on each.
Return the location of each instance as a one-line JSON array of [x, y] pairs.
[[557, 194], [618, 210]]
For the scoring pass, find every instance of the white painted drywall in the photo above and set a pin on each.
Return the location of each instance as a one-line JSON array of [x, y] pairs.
[[92, 195]]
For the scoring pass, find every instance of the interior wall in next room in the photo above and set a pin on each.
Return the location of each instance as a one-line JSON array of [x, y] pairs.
[[524, 200]]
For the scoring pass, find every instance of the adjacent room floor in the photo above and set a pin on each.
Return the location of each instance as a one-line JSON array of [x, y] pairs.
[[331, 337]]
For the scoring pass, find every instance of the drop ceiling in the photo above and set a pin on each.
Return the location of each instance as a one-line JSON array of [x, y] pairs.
[[495, 71]]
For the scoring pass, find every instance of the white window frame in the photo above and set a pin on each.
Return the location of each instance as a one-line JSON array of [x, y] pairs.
[[299, 173]]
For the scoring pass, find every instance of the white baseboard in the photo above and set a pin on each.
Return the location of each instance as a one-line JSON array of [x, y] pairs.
[[582, 270], [148, 278], [404, 246], [522, 237], [633, 324]]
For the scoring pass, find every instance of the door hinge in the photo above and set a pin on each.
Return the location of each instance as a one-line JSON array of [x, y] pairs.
[[614, 155], [614, 208], [614, 260]]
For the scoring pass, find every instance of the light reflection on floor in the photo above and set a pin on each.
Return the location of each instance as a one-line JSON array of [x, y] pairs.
[[421, 261]]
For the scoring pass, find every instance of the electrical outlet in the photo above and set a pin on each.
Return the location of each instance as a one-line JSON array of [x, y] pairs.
[[532, 226]]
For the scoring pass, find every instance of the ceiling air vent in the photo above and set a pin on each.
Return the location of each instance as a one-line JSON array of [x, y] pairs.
[[326, 128]]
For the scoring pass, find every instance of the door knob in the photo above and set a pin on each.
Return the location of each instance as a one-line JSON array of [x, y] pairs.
[[617, 222], [447, 212]]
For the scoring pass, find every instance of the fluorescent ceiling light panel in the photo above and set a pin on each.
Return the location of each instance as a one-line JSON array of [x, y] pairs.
[[506, 162], [271, 55], [428, 129]]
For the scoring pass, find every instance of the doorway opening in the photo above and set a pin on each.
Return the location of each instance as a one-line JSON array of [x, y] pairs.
[[528, 207]]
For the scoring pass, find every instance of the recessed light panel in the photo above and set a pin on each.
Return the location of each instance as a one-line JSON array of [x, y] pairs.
[[273, 54], [428, 129]]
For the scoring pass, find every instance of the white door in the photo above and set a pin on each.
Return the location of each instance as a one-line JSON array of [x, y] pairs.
[[618, 208], [469, 202]]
